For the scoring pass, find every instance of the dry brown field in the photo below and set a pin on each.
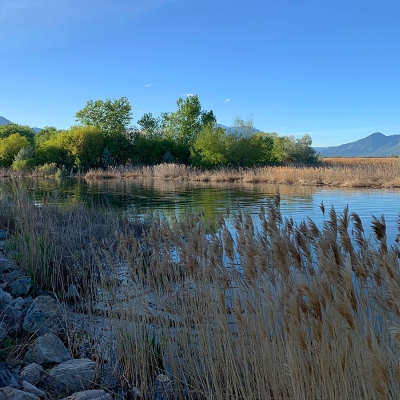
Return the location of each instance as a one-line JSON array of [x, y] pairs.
[[360, 161]]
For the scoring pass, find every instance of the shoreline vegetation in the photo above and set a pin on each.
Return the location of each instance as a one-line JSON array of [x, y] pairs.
[[270, 310], [333, 172]]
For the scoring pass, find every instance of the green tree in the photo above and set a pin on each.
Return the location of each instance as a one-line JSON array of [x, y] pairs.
[[186, 123], [86, 144], [112, 117], [290, 149], [21, 130], [45, 134], [210, 147], [10, 146], [151, 126], [24, 159], [55, 150]]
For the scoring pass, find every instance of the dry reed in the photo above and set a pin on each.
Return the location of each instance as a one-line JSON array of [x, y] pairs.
[[269, 310], [366, 173]]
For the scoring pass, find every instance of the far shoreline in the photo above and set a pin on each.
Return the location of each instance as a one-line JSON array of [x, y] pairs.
[[374, 173]]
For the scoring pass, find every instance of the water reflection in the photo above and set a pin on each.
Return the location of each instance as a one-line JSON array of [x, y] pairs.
[[172, 197]]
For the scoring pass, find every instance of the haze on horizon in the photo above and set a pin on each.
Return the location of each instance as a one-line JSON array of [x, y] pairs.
[[325, 69]]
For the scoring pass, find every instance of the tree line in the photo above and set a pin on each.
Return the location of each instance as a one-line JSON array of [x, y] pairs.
[[190, 135]]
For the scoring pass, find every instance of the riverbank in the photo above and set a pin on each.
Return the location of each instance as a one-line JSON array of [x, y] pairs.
[[351, 173], [205, 312], [331, 172]]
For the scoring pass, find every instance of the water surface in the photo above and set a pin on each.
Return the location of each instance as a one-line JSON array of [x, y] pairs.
[[145, 197]]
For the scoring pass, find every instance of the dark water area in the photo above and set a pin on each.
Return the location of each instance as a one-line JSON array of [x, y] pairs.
[[146, 197]]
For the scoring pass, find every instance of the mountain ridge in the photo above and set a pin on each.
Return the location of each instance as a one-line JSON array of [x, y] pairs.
[[375, 145]]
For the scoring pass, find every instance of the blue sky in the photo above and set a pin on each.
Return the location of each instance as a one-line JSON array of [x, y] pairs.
[[329, 69]]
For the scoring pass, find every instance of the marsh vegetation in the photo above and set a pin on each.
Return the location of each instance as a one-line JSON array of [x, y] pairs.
[[266, 310]]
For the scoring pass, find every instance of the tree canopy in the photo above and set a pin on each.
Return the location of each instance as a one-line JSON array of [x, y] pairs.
[[22, 130], [112, 117], [185, 124]]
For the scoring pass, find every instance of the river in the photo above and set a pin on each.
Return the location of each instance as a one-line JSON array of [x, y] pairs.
[[145, 197]]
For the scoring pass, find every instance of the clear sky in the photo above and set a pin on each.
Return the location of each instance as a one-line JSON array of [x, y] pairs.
[[326, 68]]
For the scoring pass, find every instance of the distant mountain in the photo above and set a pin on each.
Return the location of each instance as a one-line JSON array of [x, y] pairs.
[[375, 145], [6, 121]]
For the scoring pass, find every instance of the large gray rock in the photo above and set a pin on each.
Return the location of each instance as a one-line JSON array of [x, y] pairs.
[[31, 373], [69, 377], [89, 395], [9, 393], [47, 350], [8, 376], [43, 316], [11, 316], [5, 297], [32, 389], [21, 286]]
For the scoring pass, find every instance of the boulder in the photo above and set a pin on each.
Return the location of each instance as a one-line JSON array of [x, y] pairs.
[[10, 393], [32, 389], [5, 297], [31, 373], [11, 316], [42, 317], [8, 376], [21, 286], [47, 350], [90, 395], [69, 377]]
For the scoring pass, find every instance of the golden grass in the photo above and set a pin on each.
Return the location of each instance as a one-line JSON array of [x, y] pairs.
[[374, 173], [268, 310]]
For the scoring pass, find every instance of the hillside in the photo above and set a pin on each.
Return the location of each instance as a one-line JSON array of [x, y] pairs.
[[375, 145]]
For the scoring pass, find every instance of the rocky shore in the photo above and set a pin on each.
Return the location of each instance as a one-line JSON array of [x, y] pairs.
[[35, 362]]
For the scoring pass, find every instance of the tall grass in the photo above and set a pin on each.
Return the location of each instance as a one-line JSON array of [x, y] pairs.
[[264, 309], [344, 173]]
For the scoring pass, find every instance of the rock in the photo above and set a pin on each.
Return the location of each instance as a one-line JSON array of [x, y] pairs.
[[72, 294], [13, 275], [3, 331], [19, 303], [21, 287], [5, 297], [42, 316], [162, 378], [15, 394], [90, 395], [31, 373], [136, 393], [32, 389], [8, 376], [69, 377], [47, 350], [11, 317]]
